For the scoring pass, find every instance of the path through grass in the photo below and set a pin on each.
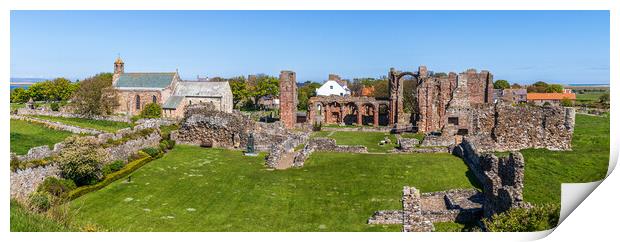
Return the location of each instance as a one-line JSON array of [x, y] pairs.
[[197, 189]]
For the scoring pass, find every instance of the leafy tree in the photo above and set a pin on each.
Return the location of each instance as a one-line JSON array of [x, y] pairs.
[[537, 218], [515, 86], [60, 89], [554, 88], [81, 160], [565, 102], [409, 92], [95, 95], [501, 84], [19, 95], [381, 89], [265, 86], [239, 90], [538, 87], [305, 92], [151, 110]]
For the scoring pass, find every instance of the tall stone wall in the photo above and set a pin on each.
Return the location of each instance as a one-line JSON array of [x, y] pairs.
[[288, 99], [501, 177]]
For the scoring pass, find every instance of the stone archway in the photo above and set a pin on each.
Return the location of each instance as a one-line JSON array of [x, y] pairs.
[[333, 113], [350, 113], [402, 90]]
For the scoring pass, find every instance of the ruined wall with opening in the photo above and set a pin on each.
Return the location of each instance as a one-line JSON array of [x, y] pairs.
[[501, 177]]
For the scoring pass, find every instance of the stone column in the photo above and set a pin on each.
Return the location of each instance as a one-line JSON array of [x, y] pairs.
[[341, 116], [375, 110], [359, 114]]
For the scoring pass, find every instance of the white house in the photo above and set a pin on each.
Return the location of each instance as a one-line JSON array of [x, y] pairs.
[[332, 88]]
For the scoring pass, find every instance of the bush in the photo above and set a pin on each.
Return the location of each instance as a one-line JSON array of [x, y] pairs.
[[56, 187], [316, 127], [171, 144], [129, 168], [151, 110], [112, 167], [40, 201], [537, 218], [14, 163], [54, 106], [81, 160], [152, 151]]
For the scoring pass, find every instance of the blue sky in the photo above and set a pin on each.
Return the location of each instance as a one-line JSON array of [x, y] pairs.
[[520, 46]]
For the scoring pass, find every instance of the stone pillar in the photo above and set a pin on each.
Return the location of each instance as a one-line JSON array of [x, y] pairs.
[[288, 99], [359, 114], [413, 220], [375, 110], [341, 116]]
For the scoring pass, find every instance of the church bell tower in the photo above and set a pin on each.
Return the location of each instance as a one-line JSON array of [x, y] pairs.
[[119, 66]]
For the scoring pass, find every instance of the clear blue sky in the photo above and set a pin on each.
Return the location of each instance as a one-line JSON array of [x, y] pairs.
[[521, 46]]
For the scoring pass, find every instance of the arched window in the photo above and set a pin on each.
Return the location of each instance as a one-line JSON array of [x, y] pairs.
[[137, 102], [154, 99]]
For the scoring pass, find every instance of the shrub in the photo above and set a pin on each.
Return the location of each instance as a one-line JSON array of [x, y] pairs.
[[14, 163], [316, 127], [56, 187], [152, 151], [40, 201], [566, 102], [81, 160], [54, 106], [112, 167], [151, 110], [171, 144], [129, 168], [537, 218]]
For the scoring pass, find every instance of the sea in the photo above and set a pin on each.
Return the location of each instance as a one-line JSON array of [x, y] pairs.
[[24, 82]]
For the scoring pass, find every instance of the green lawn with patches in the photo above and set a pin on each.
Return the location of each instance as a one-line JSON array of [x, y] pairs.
[[545, 170], [369, 139], [198, 189], [23, 220], [25, 135], [101, 125]]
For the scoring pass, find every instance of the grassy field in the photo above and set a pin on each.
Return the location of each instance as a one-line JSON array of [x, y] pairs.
[[102, 125], [589, 96], [23, 220], [25, 135], [369, 139], [196, 189], [545, 170]]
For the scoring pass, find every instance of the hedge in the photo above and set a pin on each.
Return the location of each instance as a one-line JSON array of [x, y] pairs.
[[129, 168]]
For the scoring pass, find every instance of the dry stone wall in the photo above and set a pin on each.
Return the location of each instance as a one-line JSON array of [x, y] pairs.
[[24, 182], [28, 111], [501, 177], [413, 220]]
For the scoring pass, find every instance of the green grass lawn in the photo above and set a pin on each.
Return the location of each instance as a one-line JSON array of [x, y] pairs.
[[23, 220], [589, 96], [545, 170], [101, 125], [25, 135], [368, 139], [197, 189]]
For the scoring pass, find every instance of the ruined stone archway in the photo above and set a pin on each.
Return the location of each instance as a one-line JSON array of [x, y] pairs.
[[350, 114]]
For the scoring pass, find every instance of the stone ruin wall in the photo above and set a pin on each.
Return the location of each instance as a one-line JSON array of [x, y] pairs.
[[45, 112], [288, 99], [312, 145], [500, 177], [24, 182]]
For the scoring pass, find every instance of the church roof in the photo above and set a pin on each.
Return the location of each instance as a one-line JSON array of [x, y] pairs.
[[201, 89], [172, 102], [145, 80]]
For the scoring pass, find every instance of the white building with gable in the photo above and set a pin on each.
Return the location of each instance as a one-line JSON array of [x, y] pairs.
[[331, 87]]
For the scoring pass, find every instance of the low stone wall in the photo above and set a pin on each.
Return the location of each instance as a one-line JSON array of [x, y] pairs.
[[413, 220], [27, 111], [357, 129], [57, 125], [501, 177], [284, 153], [24, 182], [329, 145], [386, 217], [123, 151]]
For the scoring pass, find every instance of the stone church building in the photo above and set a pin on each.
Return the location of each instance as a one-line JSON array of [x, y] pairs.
[[137, 89]]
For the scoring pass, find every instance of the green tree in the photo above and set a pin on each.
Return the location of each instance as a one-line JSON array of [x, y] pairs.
[[565, 102], [304, 93], [151, 110], [265, 86], [19, 95], [515, 86], [81, 160], [554, 88], [537, 218], [538, 87], [95, 95], [501, 84], [239, 89], [381, 89]]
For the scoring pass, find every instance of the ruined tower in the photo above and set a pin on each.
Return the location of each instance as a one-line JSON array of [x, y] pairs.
[[288, 99]]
